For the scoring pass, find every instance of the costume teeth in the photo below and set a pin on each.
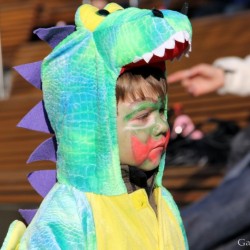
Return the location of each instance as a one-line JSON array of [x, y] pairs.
[[160, 51], [147, 57], [190, 47], [188, 50], [137, 59], [179, 37], [186, 36], [169, 44]]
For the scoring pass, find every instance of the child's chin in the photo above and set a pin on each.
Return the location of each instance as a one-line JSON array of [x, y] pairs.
[[149, 165]]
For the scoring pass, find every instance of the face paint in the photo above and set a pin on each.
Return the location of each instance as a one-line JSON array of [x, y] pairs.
[[152, 149], [142, 132]]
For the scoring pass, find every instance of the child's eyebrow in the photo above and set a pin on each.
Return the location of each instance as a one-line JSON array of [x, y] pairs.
[[143, 101], [138, 106]]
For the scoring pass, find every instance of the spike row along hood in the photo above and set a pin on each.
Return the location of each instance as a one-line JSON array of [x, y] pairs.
[[79, 79]]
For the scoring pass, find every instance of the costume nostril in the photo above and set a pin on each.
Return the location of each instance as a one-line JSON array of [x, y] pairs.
[[103, 12], [157, 13]]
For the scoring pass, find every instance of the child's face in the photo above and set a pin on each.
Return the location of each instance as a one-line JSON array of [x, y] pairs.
[[142, 129]]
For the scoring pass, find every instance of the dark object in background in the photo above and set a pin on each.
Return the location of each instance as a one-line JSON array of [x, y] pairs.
[[212, 149], [240, 146]]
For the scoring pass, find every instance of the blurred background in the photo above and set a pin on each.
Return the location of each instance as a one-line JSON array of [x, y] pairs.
[[220, 28]]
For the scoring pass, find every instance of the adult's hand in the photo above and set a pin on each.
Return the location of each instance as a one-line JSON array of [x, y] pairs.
[[200, 79]]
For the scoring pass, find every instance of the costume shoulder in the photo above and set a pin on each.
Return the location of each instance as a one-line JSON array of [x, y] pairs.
[[63, 221]]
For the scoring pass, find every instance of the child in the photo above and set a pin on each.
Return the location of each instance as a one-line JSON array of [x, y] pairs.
[[111, 138]]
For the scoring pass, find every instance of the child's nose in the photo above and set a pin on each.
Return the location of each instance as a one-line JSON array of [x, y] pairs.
[[161, 127]]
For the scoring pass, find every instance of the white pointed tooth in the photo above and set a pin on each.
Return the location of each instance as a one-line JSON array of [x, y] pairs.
[[179, 37], [160, 51], [147, 56], [186, 35], [187, 54], [169, 44], [190, 48], [137, 59]]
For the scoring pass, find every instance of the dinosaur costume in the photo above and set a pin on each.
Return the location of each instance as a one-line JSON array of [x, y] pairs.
[[89, 207]]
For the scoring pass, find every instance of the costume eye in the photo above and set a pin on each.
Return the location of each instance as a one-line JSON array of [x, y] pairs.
[[103, 12], [157, 13]]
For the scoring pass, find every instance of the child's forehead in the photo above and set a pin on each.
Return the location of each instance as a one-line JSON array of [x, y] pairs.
[[146, 101], [145, 92]]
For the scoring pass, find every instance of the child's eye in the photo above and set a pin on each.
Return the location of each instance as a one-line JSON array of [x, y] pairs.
[[162, 110], [142, 116]]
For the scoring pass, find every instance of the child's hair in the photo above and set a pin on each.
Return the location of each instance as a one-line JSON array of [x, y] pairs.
[[141, 82]]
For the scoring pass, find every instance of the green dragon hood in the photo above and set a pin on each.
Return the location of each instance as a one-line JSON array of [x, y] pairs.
[[79, 79]]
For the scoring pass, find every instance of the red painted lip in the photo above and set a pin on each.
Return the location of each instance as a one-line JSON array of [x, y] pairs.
[[163, 142], [160, 145], [151, 150]]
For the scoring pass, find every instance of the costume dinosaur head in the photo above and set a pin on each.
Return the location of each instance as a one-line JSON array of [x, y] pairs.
[[79, 79]]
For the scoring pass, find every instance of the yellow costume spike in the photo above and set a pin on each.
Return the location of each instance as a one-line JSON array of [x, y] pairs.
[[89, 17], [16, 231], [112, 7]]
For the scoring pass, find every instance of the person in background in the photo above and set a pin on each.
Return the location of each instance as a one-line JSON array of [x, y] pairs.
[[221, 220], [226, 75]]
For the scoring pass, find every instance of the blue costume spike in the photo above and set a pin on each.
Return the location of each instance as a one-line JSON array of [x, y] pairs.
[[54, 35], [27, 214], [36, 120], [46, 151], [31, 72], [42, 181]]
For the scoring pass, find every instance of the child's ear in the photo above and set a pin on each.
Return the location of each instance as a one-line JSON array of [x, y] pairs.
[[90, 17]]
